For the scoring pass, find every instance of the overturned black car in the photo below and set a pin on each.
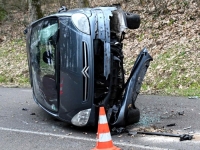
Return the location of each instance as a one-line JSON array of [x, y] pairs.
[[75, 62]]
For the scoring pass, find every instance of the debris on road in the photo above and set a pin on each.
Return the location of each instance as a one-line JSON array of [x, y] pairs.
[[32, 114], [69, 133], [170, 125], [152, 131], [120, 136], [182, 137], [168, 115], [186, 137], [181, 113], [132, 133], [193, 97], [192, 132], [187, 128], [117, 131], [172, 114], [25, 122], [24, 109]]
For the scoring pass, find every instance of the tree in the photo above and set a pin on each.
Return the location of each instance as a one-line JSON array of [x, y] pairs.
[[83, 3], [3, 11], [35, 11]]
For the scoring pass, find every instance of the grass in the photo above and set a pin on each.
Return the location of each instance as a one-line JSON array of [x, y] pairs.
[[175, 69], [173, 72], [13, 63], [3, 13], [3, 79]]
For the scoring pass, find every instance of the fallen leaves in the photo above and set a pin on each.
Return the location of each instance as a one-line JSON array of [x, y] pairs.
[[173, 39], [174, 42]]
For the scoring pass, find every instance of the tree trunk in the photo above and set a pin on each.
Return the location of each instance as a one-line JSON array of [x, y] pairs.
[[3, 11], [66, 3], [35, 11], [83, 3], [62, 3]]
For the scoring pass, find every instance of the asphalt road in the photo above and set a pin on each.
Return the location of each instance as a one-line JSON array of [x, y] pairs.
[[25, 126]]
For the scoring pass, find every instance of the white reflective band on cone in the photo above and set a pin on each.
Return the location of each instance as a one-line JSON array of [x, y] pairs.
[[104, 137], [102, 119]]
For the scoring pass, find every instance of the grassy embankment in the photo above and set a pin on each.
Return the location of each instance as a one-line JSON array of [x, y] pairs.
[[172, 39]]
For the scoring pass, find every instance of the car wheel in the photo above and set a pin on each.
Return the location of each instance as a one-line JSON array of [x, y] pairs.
[[133, 21], [133, 116]]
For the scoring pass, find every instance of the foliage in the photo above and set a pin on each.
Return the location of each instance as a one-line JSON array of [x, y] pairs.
[[13, 64], [173, 41], [169, 30], [35, 10], [3, 13]]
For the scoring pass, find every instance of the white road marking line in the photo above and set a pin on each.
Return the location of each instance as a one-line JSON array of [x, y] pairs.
[[80, 138], [26, 90]]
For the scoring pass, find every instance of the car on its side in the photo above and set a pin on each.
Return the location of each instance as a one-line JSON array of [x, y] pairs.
[[75, 60]]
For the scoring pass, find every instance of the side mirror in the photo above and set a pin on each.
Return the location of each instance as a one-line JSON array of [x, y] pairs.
[[25, 31]]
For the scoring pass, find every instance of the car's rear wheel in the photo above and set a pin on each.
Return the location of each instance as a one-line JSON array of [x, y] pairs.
[[133, 115]]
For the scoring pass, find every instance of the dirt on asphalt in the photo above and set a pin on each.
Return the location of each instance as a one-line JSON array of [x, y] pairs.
[[166, 114]]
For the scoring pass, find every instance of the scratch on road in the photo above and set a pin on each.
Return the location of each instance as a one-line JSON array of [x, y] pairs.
[[79, 138]]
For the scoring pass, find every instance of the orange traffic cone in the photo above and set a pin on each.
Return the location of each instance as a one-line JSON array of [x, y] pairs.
[[104, 140]]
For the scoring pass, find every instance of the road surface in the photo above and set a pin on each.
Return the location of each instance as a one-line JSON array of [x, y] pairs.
[[25, 126]]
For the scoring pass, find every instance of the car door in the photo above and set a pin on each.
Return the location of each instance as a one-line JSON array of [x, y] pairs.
[[43, 49]]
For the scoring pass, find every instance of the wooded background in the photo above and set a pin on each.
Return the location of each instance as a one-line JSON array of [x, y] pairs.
[[169, 29]]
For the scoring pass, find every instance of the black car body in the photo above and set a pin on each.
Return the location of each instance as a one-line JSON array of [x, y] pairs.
[[76, 65]]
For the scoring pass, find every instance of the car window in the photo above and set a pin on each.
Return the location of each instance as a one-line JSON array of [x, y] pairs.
[[43, 46], [43, 49]]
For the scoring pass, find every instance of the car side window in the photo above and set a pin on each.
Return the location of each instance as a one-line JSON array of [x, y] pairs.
[[43, 46], [43, 49]]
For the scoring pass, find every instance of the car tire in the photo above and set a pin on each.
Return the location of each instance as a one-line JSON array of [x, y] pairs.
[[133, 116], [133, 21]]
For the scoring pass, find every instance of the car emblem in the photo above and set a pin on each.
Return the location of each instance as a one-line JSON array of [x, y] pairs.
[[84, 72]]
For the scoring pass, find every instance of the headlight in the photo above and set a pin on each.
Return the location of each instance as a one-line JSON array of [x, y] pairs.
[[81, 118], [81, 22]]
